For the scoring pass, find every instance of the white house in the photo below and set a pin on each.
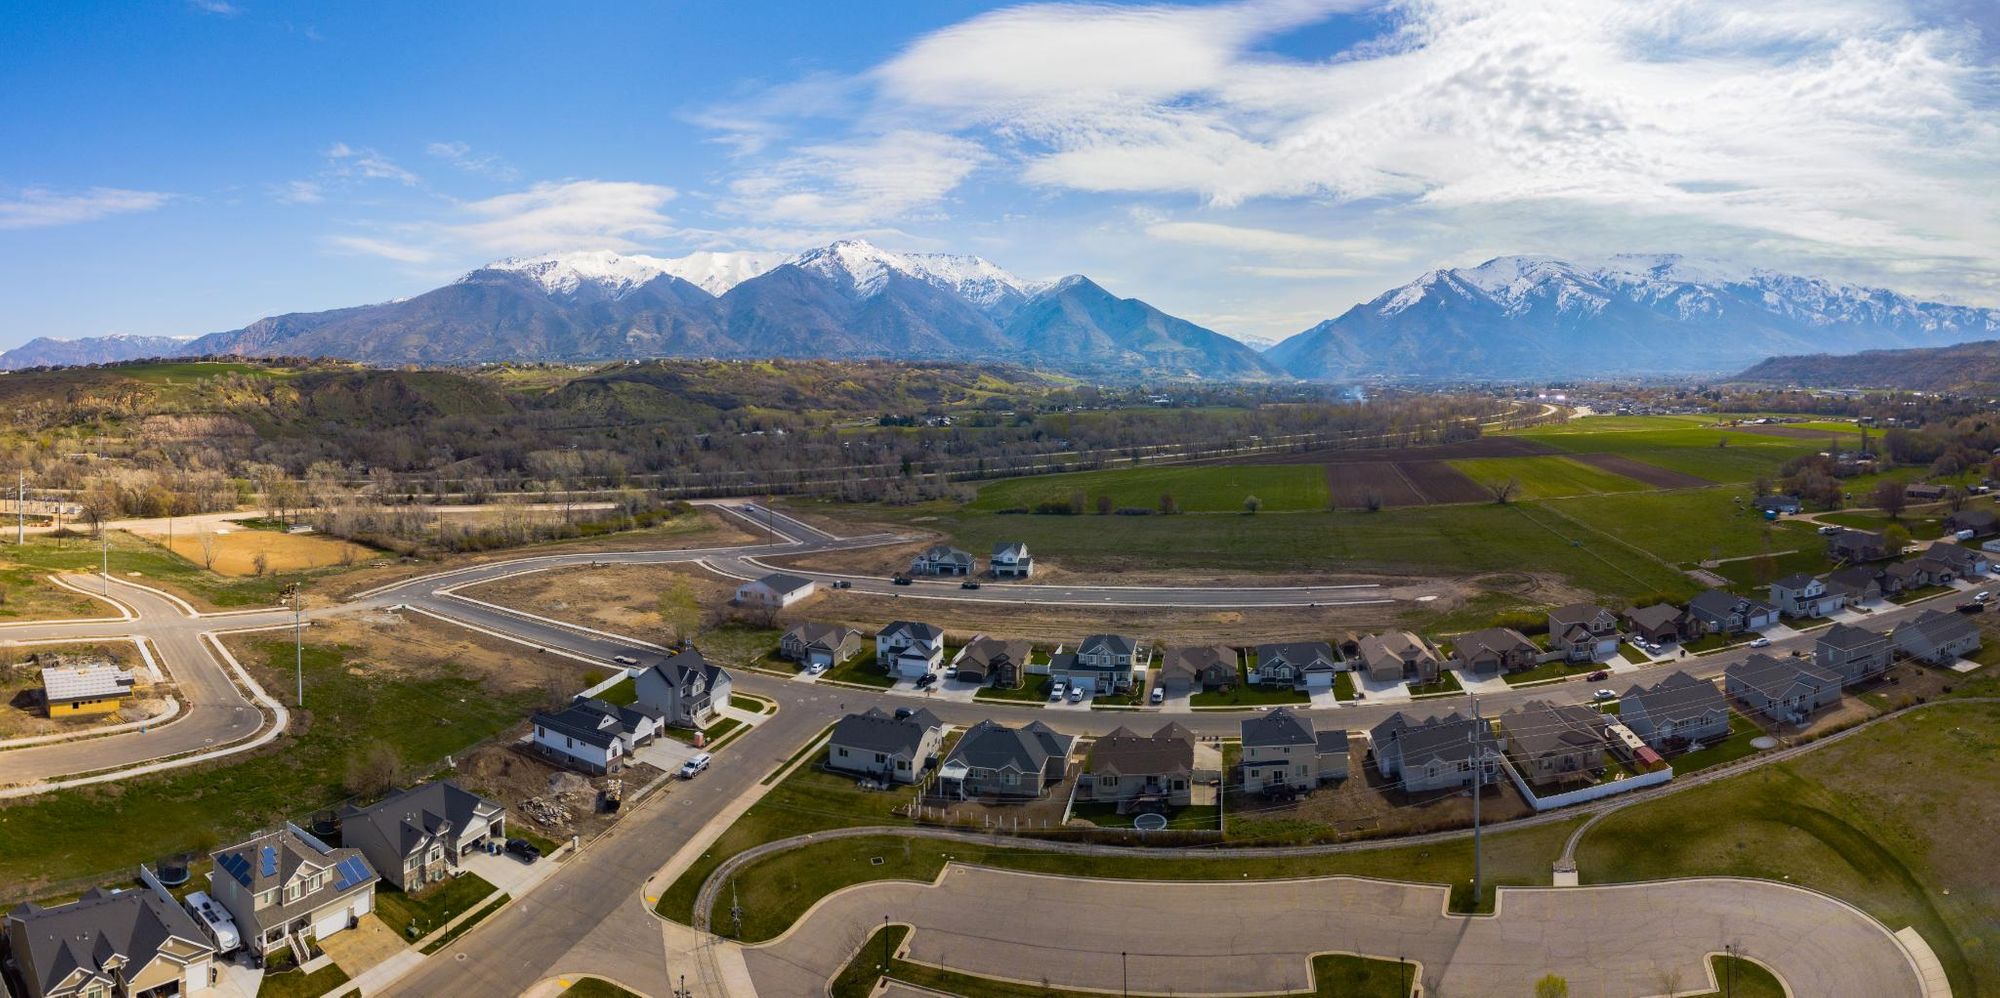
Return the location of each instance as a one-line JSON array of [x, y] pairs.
[[1011, 560], [775, 591], [909, 649], [1801, 595], [594, 736]]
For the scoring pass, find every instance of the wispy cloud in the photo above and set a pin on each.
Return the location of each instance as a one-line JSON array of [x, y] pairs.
[[221, 8], [866, 181], [462, 156], [40, 207], [547, 217], [344, 160], [298, 192]]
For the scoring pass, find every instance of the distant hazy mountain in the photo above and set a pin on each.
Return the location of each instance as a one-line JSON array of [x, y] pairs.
[[847, 300], [44, 351], [1958, 367], [1524, 316]]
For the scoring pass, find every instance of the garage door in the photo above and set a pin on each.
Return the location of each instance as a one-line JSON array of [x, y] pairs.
[[330, 923], [1319, 681]]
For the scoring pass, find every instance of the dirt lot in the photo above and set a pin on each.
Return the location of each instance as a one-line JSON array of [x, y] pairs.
[[21, 713], [1352, 483], [1651, 474], [565, 803], [1362, 807], [234, 552], [389, 641], [1440, 482], [622, 599]]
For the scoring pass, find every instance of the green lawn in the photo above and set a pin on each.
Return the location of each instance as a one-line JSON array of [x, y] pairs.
[[1247, 695], [25, 594], [422, 715], [1107, 816], [1736, 746], [1880, 819], [430, 908], [1034, 690], [1447, 682], [1743, 979], [1343, 686], [861, 670], [1685, 526], [482, 914], [596, 987], [1552, 670], [1545, 477], [1677, 445], [1633, 655], [1196, 488], [292, 984], [624, 693], [1922, 528]]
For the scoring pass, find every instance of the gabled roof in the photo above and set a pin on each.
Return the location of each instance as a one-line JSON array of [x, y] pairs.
[[1539, 728], [929, 634], [681, 669], [101, 933], [1656, 616], [273, 859], [1677, 697], [1396, 645], [814, 634], [1295, 653], [1722, 603], [1795, 581], [1029, 748], [411, 817], [595, 722], [1010, 550], [1168, 750], [1116, 645], [1847, 637], [1776, 677], [876, 730], [1574, 614], [1957, 556], [1189, 660], [945, 552], [1938, 628], [1452, 738], [781, 582], [1498, 640], [1279, 727]]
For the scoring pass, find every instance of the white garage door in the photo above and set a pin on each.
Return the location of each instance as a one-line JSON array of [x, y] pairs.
[[331, 922]]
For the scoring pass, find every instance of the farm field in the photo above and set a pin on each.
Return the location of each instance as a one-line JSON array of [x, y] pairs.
[[1545, 477], [1676, 444], [1197, 488], [1689, 526], [235, 553]]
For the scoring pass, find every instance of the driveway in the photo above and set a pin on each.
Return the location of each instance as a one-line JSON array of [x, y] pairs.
[[1259, 937], [1481, 685], [1379, 691]]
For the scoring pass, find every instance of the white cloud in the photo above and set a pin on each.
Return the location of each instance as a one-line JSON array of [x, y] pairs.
[[221, 8], [1250, 239], [386, 249], [344, 160], [862, 182], [547, 217], [39, 207], [460, 155], [298, 192]]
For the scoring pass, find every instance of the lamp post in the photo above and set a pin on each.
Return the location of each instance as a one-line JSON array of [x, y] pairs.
[[294, 594], [104, 539]]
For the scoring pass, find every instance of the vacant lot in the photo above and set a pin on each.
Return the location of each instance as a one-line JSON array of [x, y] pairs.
[[236, 552], [622, 599], [1357, 484], [1438, 481], [1881, 819], [1545, 477], [27, 594], [1196, 488]]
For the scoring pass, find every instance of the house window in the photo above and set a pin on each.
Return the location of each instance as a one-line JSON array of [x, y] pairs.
[[291, 893], [880, 758], [267, 899], [903, 765], [841, 752], [1107, 781]]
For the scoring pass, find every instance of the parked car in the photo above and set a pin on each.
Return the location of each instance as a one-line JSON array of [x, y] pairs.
[[1056, 691], [624, 660], [816, 668], [927, 680], [1982, 596], [528, 851], [1972, 607], [843, 584], [968, 584], [903, 712], [1829, 531], [1605, 695], [1761, 643], [1159, 694], [901, 580], [1076, 694], [693, 767], [1598, 676]]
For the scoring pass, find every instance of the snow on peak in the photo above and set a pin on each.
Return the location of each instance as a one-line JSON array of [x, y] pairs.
[[716, 272], [618, 274], [864, 268]]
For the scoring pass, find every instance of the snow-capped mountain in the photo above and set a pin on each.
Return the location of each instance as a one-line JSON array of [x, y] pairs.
[[863, 269], [613, 275], [716, 273], [1537, 316]]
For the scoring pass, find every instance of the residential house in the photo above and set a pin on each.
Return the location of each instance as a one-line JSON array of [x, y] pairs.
[[1102, 663], [994, 761], [109, 944], [1717, 611], [1198, 668], [775, 591], [594, 736], [1857, 546], [286, 887], [1781, 689], [1283, 754], [885, 747], [1982, 522], [685, 689], [1914, 573], [1011, 560], [1857, 584], [1853, 653], [1436, 753], [1301, 665], [942, 559], [1675, 713], [415, 837], [1936, 637], [1495, 650], [1782, 505], [1658, 623], [1925, 492], [84, 690], [1963, 562], [1555, 743], [825, 645], [1583, 632], [1002, 662], [1139, 772], [1397, 655], [908, 649], [1801, 595]]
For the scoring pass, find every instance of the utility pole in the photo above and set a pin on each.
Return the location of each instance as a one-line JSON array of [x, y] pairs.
[[885, 945], [1729, 971], [105, 539], [20, 507], [294, 593], [1124, 974], [1478, 791]]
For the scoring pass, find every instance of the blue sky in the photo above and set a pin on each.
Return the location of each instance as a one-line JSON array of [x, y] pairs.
[[177, 167]]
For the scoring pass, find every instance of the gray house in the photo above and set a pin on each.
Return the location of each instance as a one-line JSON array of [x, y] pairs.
[[1659, 622], [1963, 561], [1282, 753], [109, 944], [1011, 560], [1102, 663], [1495, 650], [686, 689], [1781, 689], [1801, 595], [1196, 668], [942, 559], [1396, 655], [1140, 772], [880, 745], [1858, 545], [1937, 638], [1555, 743], [1980, 521], [1717, 611], [993, 761], [414, 838], [1852, 653], [1857, 584], [286, 887], [1676, 712], [1436, 753], [1002, 662], [1583, 632], [813, 643], [1301, 665]]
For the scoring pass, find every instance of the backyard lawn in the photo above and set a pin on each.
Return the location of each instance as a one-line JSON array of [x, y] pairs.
[[432, 907], [1736, 746]]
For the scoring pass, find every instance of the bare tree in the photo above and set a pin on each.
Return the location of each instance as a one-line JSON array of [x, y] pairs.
[[1503, 492], [1372, 502], [260, 564], [207, 542], [376, 770], [1890, 498], [1956, 497]]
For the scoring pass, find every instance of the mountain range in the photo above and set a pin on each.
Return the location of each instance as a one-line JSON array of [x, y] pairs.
[[1514, 317], [1960, 367]]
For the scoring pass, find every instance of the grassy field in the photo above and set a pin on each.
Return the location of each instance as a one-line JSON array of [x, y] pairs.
[[1687, 525], [1880, 819], [1677, 444], [432, 907], [172, 372], [423, 715], [1197, 488], [1736, 746], [235, 553], [25, 594], [1545, 477], [1922, 528], [154, 564]]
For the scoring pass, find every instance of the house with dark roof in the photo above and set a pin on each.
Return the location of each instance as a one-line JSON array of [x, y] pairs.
[[1000, 661], [685, 689], [1660, 622], [1964, 562], [1397, 655], [1494, 650], [1782, 505], [1555, 743], [1188, 669], [417, 836], [1936, 637], [108, 944], [1859, 584], [1139, 772], [878, 744], [1282, 753], [286, 887], [1435, 753], [908, 648], [1787, 689], [775, 591], [1676, 712], [1102, 663], [1801, 595], [1299, 665], [942, 559], [1982, 522], [826, 645], [1914, 573], [994, 762], [1925, 492], [1718, 611], [1852, 653], [1857, 546], [592, 735], [1011, 560], [1583, 632]]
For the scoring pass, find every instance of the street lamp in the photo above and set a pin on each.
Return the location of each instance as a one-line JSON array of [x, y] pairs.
[[294, 594]]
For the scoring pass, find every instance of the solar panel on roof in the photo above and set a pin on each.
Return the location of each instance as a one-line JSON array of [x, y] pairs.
[[348, 872], [236, 866], [267, 859]]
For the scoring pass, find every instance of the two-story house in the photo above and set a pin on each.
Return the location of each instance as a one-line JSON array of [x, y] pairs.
[[1853, 653], [908, 649], [1658, 623], [1857, 546], [1718, 611], [1011, 560], [1555, 743], [1397, 655], [415, 837], [1583, 632], [1283, 755], [1494, 650], [1436, 753], [1937, 638], [1002, 662], [1675, 713], [685, 689], [1102, 663], [286, 887], [1788, 690], [994, 762], [109, 944], [592, 735], [942, 559], [1299, 665], [1801, 595], [1139, 772], [881, 745], [825, 645]]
